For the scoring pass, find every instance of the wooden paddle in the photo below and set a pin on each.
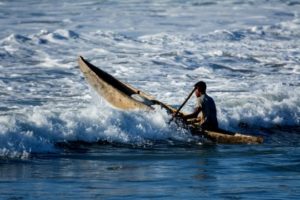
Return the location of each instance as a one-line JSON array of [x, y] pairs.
[[177, 111]]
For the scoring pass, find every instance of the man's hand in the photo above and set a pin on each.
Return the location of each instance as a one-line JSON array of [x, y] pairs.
[[180, 115]]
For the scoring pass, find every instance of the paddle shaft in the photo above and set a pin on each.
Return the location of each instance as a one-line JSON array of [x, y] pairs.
[[177, 111]]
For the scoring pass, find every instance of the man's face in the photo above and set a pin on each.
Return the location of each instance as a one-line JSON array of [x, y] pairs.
[[197, 92]]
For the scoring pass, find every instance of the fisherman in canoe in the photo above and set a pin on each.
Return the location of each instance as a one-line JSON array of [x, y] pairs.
[[120, 95], [205, 113]]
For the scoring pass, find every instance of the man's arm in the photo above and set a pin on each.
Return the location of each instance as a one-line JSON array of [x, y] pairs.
[[194, 114]]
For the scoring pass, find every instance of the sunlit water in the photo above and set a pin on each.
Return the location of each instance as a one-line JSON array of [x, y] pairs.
[[247, 52]]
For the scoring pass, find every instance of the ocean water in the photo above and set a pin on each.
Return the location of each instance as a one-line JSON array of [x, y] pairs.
[[59, 139]]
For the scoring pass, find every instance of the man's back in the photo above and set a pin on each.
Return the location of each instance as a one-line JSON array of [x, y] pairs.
[[208, 112]]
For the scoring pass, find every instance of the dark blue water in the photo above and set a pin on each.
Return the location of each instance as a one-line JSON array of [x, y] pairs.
[[160, 171]]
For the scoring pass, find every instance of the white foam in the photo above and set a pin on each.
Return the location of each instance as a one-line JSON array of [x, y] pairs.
[[58, 36], [274, 105], [38, 129]]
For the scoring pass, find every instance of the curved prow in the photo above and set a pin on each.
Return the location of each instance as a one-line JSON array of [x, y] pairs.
[[115, 92]]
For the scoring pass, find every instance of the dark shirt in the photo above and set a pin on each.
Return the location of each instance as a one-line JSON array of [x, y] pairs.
[[208, 113]]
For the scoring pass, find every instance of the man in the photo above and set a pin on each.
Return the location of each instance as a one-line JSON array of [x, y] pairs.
[[205, 112]]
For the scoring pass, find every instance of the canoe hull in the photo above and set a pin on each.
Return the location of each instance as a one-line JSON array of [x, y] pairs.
[[234, 138], [118, 94]]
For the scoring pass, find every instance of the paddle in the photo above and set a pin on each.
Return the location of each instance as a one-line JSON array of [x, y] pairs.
[[177, 111]]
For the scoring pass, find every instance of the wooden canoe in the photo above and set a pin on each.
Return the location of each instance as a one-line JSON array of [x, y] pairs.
[[226, 137], [125, 97]]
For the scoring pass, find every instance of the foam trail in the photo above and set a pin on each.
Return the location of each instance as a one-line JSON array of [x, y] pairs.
[[38, 130]]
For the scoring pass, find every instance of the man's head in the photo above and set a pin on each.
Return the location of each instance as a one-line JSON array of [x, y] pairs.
[[200, 88]]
